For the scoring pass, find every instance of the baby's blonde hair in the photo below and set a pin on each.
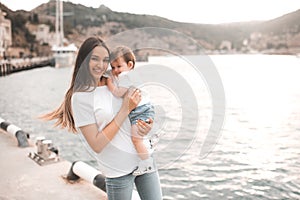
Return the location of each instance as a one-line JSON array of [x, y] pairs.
[[123, 52]]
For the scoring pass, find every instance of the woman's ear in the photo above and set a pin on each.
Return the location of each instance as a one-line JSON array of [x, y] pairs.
[[130, 64]]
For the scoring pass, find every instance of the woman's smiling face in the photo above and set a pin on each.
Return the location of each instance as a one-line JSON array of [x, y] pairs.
[[98, 62]]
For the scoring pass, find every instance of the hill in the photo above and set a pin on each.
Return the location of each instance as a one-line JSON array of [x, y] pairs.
[[280, 35]]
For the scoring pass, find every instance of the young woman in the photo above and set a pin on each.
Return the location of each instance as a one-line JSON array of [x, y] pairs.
[[90, 109]]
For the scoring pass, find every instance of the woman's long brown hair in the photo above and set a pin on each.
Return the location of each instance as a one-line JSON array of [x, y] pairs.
[[81, 81]]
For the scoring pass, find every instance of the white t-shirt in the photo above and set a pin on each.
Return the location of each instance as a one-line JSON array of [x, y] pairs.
[[132, 78], [119, 157]]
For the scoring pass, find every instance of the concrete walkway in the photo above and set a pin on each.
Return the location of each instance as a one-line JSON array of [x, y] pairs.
[[23, 179]]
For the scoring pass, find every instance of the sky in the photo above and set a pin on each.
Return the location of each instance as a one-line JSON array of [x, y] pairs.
[[193, 11]]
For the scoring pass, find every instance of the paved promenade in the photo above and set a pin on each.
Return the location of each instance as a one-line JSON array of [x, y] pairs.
[[23, 179]]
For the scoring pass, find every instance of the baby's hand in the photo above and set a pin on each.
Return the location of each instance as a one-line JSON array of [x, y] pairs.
[[109, 80], [144, 126]]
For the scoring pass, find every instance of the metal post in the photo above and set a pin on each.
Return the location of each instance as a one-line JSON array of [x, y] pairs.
[[16, 131]]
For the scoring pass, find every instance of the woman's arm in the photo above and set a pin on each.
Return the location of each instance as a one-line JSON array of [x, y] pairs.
[[98, 140]]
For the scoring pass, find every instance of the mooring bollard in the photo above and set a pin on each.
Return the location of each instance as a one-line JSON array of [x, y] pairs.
[[21, 136], [46, 153], [80, 169]]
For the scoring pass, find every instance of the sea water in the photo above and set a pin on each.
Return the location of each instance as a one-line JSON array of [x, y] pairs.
[[256, 154]]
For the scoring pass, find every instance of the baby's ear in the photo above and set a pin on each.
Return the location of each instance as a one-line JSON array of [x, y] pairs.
[[130, 64]]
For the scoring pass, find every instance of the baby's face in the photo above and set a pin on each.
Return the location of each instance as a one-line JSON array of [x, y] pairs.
[[118, 66]]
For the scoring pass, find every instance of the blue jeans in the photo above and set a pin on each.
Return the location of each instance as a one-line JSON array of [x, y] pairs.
[[147, 185], [142, 112]]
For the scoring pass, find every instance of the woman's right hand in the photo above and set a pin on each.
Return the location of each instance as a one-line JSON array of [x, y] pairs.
[[131, 99]]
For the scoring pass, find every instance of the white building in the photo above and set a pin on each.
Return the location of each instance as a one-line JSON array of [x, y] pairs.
[[5, 33], [225, 45], [42, 33]]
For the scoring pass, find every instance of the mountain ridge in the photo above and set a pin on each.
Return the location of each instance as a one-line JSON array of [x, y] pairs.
[[272, 36]]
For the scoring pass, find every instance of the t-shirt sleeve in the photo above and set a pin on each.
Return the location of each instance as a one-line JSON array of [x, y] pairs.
[[83, 111], [130, 78], [125, 80]]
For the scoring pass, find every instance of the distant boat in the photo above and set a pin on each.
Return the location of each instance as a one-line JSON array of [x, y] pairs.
[[63, 53]]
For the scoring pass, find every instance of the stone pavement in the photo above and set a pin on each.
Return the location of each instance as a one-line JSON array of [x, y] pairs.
[[23, 179]]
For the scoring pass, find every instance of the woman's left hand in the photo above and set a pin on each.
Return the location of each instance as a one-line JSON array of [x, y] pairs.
[[144, 127]]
